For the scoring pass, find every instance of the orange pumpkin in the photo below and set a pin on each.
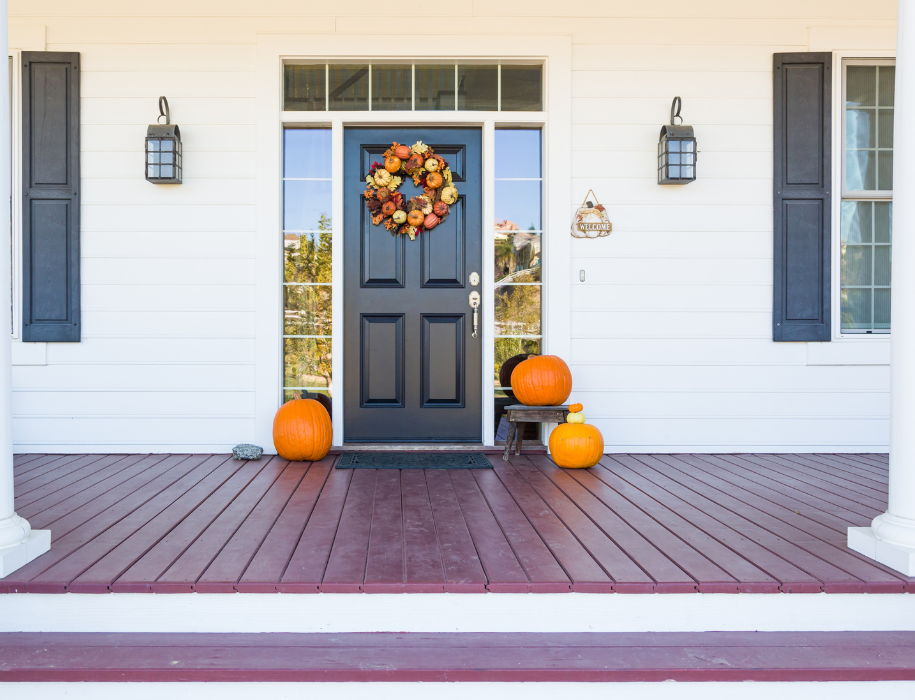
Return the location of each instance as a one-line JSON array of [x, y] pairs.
[[576, 408], [392, 164], [388, 208], [576, 446], [440, 209], [542, 380], [415, 218], [416, 161], [431, 221], [402, 152], [383, 194], [434, 180], [302, 431]]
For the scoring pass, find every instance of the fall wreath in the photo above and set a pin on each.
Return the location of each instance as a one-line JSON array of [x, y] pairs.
[[416, 214]]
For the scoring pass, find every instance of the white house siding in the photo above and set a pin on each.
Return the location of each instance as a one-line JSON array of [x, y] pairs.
[[671, 332]]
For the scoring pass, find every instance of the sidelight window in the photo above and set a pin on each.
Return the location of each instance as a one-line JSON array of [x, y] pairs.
[[518, 256], [866, 219], [412, 87], [307, 260]]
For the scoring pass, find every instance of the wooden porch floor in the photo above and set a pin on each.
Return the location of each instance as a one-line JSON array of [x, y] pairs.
[[750, 523]]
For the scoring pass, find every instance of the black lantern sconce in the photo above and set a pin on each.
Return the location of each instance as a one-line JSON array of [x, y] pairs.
[[163, 149], [676, 150]]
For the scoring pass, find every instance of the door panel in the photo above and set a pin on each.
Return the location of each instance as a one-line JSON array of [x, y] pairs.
[[414, 372]]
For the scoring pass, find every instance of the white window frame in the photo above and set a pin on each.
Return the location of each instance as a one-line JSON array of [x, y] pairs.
[[274, 50], [16, 188], [840, 60]]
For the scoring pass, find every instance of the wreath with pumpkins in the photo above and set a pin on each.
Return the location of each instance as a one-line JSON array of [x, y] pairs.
[[423, 212]]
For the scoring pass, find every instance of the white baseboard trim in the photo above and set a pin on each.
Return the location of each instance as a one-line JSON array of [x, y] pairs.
[[11, 558], [454, 612], [666, 690], [899, 558]]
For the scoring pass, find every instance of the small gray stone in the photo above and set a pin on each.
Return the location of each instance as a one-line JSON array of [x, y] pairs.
[[245, 451]]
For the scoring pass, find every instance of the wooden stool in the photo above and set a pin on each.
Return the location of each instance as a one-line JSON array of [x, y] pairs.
[[518, 415]]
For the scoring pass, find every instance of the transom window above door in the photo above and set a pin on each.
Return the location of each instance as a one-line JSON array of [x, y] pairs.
[[412, 87]]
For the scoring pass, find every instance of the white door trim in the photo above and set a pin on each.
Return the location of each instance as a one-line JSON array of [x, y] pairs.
[[555, 120]]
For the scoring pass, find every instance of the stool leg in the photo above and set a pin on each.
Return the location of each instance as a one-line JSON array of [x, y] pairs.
[[508, 440], [521, 427]]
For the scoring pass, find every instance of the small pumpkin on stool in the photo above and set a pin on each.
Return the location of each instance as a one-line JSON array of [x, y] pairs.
[[302, 431], [575, 444]]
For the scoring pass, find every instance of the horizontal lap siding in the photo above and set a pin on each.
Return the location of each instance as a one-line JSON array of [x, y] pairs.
[[670, 332]]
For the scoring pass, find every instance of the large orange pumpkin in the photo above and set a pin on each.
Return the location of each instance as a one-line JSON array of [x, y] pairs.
[[302, 431], [576, 446], [542, 380]]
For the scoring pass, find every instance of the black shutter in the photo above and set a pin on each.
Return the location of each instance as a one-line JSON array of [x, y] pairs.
[[50, 221], [803, 172]]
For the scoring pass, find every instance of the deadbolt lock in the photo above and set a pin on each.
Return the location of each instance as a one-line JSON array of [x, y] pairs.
[[474, 279]]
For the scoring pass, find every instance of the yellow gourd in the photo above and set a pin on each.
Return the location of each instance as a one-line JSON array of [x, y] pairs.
[[576, 418]]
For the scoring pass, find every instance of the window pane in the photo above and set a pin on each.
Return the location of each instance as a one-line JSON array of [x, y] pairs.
[[307, 362], [882, 308], [885, 170], [307, 153], [861, 86], [304, 89], [522, 88], [392, 87], [856, 309], [308, 310], [306, 204], [506, 348], [478, 87], [860, 170], [885, 128], [349, 87], [882, 265], [518, 203], [856, 222], [518, 309], [860, 128], [517, 256], [435, 87], [518, 153], [883, 222], [887, 86], [857, 265], [308, 256]]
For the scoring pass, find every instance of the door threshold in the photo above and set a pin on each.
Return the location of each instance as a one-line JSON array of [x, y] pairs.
[[431, 447]]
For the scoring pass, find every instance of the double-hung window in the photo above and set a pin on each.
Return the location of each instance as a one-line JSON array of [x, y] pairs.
[[866, 220]]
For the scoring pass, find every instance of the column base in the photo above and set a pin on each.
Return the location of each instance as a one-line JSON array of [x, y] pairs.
[[18, 555], [897, 557]]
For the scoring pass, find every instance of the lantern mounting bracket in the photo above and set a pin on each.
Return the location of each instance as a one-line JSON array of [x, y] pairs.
[[674, 110]]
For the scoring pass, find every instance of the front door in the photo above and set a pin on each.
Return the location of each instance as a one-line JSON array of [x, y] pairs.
[[412, 368]]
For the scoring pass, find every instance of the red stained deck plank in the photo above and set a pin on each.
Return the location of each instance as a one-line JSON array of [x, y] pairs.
[[463, 570], [131, 539], [880, 463], [844, 489], [228, 566], [309, 560], [345, 571], [585, 657], [816, 540], [20, 459], [625, 573], [422, 553], [541, 567], [761, 468], [502, 568], [56, 505], [207, 546], [52, 480], [45, 465], [775, 555], [273, 556], [876, 476], [88, 533], [655, 564], [832, 470], [715, 567], [384, 567], [140, 561]]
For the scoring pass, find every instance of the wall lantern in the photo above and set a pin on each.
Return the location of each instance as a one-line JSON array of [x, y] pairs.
[[163, 149], [676, 150]]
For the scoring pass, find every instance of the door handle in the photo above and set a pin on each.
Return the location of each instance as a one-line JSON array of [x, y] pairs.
[[475, 305]]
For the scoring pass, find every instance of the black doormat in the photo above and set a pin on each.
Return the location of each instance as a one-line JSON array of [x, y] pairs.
[[413, 460]]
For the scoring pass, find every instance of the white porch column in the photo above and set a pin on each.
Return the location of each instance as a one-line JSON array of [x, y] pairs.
[[19, 544], [891, 537]]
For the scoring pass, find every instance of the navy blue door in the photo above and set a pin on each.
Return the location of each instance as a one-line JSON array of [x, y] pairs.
[[412, 368]]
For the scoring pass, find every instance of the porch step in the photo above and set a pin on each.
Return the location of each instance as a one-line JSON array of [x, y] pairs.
[[582, 657]]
